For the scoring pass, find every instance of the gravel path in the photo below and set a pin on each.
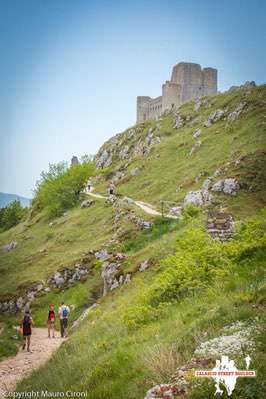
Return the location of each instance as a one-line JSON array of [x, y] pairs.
[[15, 368], [143, 205]]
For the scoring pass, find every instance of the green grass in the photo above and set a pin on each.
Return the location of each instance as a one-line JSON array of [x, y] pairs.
[[159, 177], [10, 339], [110, 358], [173, 306], [42, 249]]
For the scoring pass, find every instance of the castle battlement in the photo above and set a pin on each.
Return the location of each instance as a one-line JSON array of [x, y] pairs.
[[188, 81]]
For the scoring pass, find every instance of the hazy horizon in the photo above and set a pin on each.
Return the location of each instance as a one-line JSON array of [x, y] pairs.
[[71, 71]]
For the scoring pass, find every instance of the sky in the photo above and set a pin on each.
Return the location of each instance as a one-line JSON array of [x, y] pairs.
[[70, 70]]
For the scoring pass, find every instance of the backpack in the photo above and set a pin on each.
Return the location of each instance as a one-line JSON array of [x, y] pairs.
[[65, 313], [26, 321]]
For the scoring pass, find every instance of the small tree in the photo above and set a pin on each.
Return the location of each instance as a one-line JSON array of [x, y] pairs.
[[11, 215], [59, 188]]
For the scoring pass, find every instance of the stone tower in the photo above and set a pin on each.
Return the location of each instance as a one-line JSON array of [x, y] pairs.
[[188, 81]]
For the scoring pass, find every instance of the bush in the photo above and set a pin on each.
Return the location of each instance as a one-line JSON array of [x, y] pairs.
[[60, 187], [198, 263], [11, 215]]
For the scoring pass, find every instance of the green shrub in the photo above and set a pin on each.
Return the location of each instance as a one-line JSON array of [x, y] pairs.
[[60, 187], [197, 264], [11, 215]]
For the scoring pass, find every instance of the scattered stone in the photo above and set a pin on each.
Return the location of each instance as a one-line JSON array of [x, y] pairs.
[[144, 224], [114, 285], [118, 176], [103, 159], [235, 114], [195, 147], [215, 117], [135, 171], [9, 247], [201, 102], [128, 278], [175, 211], [198, 198], [228, 186], [179, 122], [128, 201], [197, 133], [87, 203], [102, 255], [206, 183], [144, 265], [108, 274], [124, 153]]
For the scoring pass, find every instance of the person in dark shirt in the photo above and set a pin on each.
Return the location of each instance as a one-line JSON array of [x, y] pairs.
[[26, 329]]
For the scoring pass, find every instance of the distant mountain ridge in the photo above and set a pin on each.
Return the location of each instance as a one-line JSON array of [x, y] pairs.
[[6, 199]]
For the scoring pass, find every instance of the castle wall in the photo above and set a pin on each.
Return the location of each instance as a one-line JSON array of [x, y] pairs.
[[171, 95], [155, 107], [143, 104], [188, 81], [209, 81]]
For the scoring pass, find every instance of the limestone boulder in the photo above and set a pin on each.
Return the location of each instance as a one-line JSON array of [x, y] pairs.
[[195, 147], [215, 117], [9, 247], [144, 265], [103, 159], [87, 203], [229, 186], [235, 114], [198, 198], [179, 122], [109, 270], [196, 133]]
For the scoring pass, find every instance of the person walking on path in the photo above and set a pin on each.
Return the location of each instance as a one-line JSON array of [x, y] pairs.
[[51, 321], [26, 329], [111, 188], [89, 186], [63, 315]]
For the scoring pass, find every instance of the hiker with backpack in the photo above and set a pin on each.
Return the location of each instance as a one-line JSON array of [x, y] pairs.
[[51, 320], [26, 329], [63, 315]]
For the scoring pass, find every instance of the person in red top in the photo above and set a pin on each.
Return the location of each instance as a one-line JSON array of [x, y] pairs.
[[51, 320], [26, 329]]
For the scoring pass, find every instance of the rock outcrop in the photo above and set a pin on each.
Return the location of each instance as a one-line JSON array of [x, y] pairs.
[[198, 198], [229, 186], [215, 117], [10, 246]]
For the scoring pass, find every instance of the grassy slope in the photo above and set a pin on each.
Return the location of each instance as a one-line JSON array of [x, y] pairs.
[[160, 177], [112, 358], [105, 350]]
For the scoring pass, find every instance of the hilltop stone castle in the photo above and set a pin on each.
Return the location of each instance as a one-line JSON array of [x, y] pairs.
[[188, 81]]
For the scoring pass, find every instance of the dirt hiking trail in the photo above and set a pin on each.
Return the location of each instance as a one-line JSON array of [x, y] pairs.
[[13, 369], [143, 205]]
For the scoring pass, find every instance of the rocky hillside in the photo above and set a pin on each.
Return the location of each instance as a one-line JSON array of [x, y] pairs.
[[186, 223]]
